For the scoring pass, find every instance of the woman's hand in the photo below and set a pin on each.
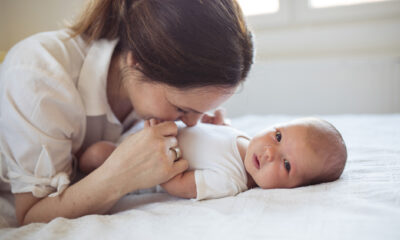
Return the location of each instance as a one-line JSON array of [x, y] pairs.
[[144, 159], [217, 119]]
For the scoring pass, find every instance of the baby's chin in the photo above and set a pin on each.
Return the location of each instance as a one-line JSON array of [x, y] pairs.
[[267, 185]]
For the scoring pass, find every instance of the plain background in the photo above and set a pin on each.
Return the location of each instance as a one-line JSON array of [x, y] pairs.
[[341, 60]]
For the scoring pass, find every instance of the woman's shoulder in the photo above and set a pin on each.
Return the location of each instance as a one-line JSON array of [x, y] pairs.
[[47, 50], [40, 73]]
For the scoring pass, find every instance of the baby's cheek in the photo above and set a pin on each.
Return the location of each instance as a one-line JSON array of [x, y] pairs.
[[279, 176], [268, 179]]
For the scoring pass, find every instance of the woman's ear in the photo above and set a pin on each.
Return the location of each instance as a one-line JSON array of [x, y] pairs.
[[130, 60]]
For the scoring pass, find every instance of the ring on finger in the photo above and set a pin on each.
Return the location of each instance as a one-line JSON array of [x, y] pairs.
[[177, 151]]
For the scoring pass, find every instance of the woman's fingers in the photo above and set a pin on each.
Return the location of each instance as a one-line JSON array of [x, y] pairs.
[[179, 166], [146, 124], [167, 131], [153, 122], [171, 143], [167, 128]]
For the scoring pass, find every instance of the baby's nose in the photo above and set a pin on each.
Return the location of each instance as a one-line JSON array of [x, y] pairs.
[[270, 154]]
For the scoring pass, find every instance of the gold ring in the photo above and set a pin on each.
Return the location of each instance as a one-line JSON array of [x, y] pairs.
[[177, 151]]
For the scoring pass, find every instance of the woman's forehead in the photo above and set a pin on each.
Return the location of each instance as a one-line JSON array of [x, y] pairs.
[[210, 96], [219, 90]]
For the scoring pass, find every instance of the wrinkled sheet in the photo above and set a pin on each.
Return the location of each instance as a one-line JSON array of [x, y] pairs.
[[363, 204]]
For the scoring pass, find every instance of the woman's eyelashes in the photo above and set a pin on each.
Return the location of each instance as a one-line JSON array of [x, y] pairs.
[[287, 165], [278, 136], [181, 110]]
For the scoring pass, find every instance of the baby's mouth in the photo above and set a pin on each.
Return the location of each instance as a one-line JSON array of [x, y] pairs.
[[256, 161]]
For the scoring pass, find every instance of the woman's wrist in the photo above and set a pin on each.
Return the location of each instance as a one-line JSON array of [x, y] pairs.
[[111, 183], [94, 194]]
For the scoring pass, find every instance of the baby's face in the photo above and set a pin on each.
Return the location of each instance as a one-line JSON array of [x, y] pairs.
[[280, 157]]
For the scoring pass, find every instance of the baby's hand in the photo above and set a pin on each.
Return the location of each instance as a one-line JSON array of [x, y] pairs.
[[217, 119]]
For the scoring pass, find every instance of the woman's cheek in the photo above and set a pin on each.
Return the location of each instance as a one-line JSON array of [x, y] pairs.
[[167, 114]]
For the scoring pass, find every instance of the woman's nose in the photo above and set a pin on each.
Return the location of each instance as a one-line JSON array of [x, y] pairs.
[[190, 119]]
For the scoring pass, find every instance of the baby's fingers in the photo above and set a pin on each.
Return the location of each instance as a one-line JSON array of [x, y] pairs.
[[219, 117], [206, 119]]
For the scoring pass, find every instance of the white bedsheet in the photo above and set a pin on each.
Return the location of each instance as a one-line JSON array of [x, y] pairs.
[[363, 204]]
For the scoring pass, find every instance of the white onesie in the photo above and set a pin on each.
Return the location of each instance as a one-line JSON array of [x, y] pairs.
[[212, 152]]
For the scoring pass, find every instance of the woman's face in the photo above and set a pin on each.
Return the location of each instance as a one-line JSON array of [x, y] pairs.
[[160, 101]]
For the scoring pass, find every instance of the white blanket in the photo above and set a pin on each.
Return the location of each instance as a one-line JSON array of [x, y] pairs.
[[363, 204]]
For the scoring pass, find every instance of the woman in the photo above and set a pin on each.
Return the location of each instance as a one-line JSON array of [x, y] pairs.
[[123, 60]]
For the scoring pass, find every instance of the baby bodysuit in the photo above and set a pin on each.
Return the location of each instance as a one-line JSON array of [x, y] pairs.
[[213, 154]]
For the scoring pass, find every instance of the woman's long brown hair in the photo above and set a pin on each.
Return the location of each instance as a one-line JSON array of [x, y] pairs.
[[182, 43]]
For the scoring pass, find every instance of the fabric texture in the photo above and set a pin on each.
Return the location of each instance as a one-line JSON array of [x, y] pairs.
[[212, 152], [363, 204], [52, 103]]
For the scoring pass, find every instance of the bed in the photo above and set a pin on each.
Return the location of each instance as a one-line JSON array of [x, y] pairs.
[[363, 204]]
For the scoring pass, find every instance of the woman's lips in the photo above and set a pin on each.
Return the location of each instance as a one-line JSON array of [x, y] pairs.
[[256, 162]]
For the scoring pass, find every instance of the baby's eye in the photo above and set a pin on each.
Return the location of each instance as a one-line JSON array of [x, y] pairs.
[[287, 165], [278, 136]]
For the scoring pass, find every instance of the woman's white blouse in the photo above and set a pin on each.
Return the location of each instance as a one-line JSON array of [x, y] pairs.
[[53, 102]]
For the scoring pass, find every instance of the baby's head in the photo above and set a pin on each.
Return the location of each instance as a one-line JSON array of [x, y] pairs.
[[297, 153]]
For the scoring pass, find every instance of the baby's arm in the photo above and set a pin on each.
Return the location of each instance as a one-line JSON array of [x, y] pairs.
[[95, 155], [182, 185]]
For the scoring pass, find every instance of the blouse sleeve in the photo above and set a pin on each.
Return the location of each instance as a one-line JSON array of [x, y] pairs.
[[211, 184], [42, 120]]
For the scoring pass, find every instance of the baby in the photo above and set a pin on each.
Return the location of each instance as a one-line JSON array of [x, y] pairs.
[[224, 161]]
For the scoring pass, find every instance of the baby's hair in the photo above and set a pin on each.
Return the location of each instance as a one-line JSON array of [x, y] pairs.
[[326, 141]]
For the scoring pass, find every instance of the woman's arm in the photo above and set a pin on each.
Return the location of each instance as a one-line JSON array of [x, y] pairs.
[[141, 161], [182, 185], [94, 194]]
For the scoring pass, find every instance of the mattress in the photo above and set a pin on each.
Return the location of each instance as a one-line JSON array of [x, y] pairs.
[[363, 204]]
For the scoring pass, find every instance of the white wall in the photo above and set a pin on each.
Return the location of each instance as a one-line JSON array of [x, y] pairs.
[[22, 18], [327, 61], [340, 60], [333, 85]]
